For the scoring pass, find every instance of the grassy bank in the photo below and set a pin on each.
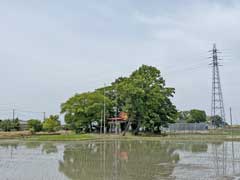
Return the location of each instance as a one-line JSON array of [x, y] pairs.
[[43, 136], [62, 137], [209, 136]]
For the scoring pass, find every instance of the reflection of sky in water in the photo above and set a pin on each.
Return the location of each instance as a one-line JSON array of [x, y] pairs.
[[221, 160], [29, 161], [118, 160]]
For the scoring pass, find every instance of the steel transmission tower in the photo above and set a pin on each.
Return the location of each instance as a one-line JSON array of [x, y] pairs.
[[217, 96]]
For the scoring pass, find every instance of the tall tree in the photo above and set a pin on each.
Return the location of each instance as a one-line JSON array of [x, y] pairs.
[[82, 110], [146, 99], [143, 95]]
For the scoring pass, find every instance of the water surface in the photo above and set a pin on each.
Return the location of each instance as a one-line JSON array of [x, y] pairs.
[[119, 160]]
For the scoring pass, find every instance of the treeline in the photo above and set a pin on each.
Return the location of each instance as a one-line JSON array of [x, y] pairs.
[[143, 96], [10, 125], [50, 124], [200, 116]]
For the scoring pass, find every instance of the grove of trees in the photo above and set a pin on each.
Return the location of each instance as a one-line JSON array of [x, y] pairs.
[[143, 95], [50, 124], [10, 125], [193, 116]]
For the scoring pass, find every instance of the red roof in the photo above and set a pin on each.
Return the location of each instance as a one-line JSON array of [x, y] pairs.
[[116, 119]]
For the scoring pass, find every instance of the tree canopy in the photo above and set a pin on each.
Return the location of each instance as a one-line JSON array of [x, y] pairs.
[[34, 125], [52, 123], [82, 110], [217, 121], [143, 95], [146, 99], [9, 125], [193, 116]]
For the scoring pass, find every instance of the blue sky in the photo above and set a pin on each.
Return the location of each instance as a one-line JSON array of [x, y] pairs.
[[50, 50]]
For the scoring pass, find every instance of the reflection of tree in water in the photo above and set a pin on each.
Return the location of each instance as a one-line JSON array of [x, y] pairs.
[[197, 148], [123, 160], [12, 145], [49, 148], [32, 145]]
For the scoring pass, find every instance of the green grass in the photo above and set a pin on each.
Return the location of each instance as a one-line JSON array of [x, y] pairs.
[[211, 136], [68, 137]]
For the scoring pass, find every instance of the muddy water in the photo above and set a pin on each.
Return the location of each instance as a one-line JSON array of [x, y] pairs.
[[119, 160]]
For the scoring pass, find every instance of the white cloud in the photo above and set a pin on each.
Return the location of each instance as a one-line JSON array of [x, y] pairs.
[[50, 52]]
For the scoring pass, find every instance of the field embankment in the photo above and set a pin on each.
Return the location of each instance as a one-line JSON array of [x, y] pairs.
[[207, 136]]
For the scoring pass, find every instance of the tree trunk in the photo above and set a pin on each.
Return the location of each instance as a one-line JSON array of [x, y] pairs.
[[126, 128], [138, 118]]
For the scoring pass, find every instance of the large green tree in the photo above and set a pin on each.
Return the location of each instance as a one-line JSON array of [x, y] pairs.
[[146, 99], [143, 95], [83, 110]]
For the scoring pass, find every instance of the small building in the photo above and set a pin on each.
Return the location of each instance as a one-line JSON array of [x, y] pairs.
[[118, 124], [23, 125]]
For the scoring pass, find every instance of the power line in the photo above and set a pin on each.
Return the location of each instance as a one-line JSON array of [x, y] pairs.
[[22, 113]]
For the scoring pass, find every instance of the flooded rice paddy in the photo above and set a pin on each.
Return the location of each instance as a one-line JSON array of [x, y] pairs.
[[119, 160]]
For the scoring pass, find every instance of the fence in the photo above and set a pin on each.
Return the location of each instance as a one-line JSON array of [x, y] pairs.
[[180, 127]]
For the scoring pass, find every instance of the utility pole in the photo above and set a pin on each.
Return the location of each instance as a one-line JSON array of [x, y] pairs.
[[101, 123], [217, 107], [13, 113], [231, 121], [233, 153], [231, 116], [104, 110], [44, 116]]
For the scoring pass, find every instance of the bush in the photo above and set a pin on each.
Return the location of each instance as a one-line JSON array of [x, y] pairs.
[[34, 125], [52, 123], [6, 125]]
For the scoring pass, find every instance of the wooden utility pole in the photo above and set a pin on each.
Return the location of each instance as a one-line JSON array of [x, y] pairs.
[[104, 111], [101, 122]]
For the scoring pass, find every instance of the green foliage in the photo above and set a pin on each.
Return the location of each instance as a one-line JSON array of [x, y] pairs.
[[197, 116], [6, 125], [142, 95], [146, 99], [217, 121], [82, 110], [16, 124], [35, 125], [193, 116], [52, 123], [9, 125]]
